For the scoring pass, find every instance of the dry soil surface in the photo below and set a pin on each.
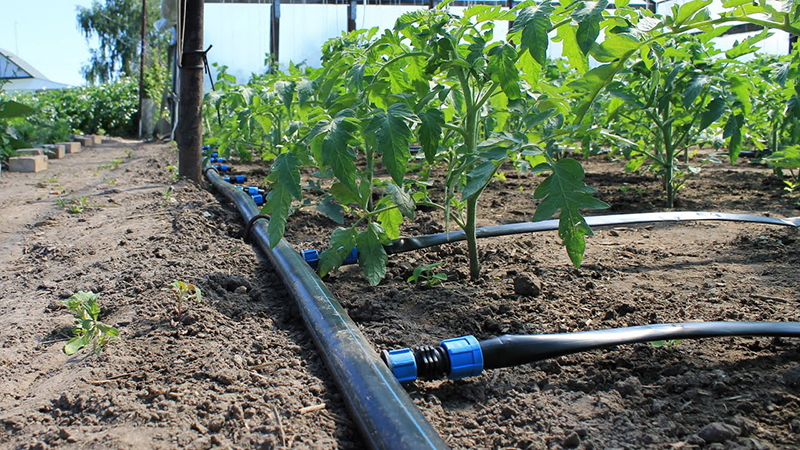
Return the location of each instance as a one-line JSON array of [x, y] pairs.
[[240, 370]]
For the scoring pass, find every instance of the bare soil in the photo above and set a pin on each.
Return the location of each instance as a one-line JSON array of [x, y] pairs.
[[241, 371]]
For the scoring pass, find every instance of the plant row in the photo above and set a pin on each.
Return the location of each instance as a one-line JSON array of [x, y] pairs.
[[648, 87]]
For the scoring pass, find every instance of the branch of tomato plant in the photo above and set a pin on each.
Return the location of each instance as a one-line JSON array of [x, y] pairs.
[[685, 135], [394, 60]]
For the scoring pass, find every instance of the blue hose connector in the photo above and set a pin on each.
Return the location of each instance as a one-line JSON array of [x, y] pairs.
[[454, 358], [312, 258], [221, 168], [403, 364], [217, 160], [258, 198], [236, 179], [352, 258], [466, 358], [206, 147]]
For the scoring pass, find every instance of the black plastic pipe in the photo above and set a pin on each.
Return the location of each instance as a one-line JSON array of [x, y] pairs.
[[510, 350], [465, 356], [431, 240], [381, 408]]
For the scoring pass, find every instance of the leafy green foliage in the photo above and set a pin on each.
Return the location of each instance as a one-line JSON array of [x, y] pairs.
[[425, 275], [88, 328]]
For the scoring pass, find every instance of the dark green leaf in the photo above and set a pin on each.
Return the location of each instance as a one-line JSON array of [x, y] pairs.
[[11, 109], [430, 132], [342, 242], [331, 209], [478, 178], [713, 111], [305, 89], [588, 15], [391, 134], [371, 254], [534, 21], [694, 88], [733, 130], [503, 69]]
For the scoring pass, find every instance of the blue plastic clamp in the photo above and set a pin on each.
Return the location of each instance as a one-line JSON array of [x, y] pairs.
[[252, 190], [311, 257], [466, 358], [236, 179], [221, 168], [217, 160], [258, 198], [403, 365], [206, 147], [352, 258]]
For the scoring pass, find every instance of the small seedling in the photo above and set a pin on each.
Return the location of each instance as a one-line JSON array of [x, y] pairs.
[[73, 205], [669, 343], [173, 170], [424, 275], [88, 330], [167, 195], [129, 153], [183, 292]]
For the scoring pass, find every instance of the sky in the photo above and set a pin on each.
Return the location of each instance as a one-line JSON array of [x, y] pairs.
[[45, 34]]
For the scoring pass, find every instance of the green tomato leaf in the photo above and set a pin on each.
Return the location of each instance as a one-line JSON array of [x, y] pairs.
[[733, 130], [342, 242], [713, 111], [478, 178], [277, 205], [694, 88], [503, 69], [11, 109], [565, 191], [391, 135], [391, 219], [371, 254], [285, 90], [336, 151], [688, 9], [588, 15], [331, 209], [534, 22], [405, 204], [305, 89], [75, 344], [430, 132]]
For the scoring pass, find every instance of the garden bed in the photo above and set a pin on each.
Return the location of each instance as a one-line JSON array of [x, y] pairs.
[[241, 371]]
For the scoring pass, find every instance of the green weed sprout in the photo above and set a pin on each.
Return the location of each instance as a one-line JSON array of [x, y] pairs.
[[424, 275], [183, 292], [88, 330], [73, 205]]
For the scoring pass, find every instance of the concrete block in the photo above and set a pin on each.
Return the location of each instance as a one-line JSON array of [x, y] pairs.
[[71, 147], [55, 151], [96, 139], [32, 163], [85, 141]]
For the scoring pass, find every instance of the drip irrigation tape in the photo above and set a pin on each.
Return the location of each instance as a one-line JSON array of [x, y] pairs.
[[431, 240], [382, 410]]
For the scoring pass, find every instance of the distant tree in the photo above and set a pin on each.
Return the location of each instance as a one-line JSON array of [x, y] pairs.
[[117, 25]]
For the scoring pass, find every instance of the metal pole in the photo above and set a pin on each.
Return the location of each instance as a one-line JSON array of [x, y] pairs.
[[141, 69], [510, 6], [275, 33], [190, 125], [351, 15]]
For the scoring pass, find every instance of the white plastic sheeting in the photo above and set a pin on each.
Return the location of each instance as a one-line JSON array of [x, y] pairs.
[[240, 33]]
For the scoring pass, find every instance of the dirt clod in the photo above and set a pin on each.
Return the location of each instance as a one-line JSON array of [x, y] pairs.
[[718, 432], [527, 285]]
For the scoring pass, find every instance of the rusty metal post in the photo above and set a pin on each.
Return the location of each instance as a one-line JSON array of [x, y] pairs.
[[141, 68], [190, 123], [351, 15]]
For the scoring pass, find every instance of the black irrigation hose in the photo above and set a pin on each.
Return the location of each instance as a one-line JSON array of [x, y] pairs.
[[465, 356], [431, 240], [382, 410]]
